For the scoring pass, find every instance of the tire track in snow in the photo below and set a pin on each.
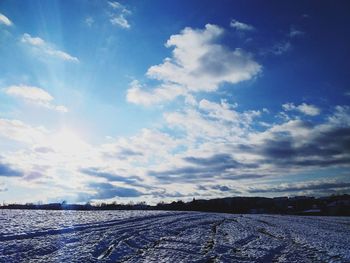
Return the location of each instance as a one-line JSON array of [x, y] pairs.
[[129, 231], [78, 228], [188, 237], [167, 230]]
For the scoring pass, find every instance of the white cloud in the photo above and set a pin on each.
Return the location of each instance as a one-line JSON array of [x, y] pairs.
[[61, 108], [119, 6], [212, 121], [196, 125], [34, 95], [89, 21], [198, 63], [117, 16], [19, 131], [201, 65], [341, 116], [223, 110], [34, 41], [167, 92], [5, 20], [39, 45], [120, 20], [241, 26], [29, 93], [204, 142], [307, 109], [295, 32]]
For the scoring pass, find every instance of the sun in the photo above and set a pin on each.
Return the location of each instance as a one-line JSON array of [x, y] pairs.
[[67, 141]]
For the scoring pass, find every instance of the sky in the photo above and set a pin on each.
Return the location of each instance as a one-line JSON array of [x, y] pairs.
[[154, 101]]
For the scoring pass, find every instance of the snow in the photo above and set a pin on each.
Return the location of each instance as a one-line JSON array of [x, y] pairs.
[[161, 236]]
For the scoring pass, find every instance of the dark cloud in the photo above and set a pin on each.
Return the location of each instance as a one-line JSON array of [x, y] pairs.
[[43, 149], [327, 148], [202, 188], [129, 152], [107, 190], [33, 175], [111, 176], [201, 168], [222, 188], [278, 149], [302, 187], [323, 145], [7, 171], [243, 176], [187, 174], [123, 154], [165, 194], [214, 160]]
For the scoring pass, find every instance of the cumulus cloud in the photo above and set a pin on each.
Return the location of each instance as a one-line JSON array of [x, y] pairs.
[[5, 20], [198, 63], [34, 95], [304, 108], [44, 48], [118, 15], [241, 26]]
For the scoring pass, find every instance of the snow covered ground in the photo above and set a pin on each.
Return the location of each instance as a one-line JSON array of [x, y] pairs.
[[157, 236]]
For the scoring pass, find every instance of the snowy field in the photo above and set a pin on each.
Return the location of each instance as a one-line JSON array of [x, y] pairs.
[[154, 236]]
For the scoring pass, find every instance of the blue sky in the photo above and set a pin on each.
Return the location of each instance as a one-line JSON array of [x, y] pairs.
[[166, 100]]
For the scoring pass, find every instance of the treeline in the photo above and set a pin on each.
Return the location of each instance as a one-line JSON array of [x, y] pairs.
[[301, 205], [80, 207]]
